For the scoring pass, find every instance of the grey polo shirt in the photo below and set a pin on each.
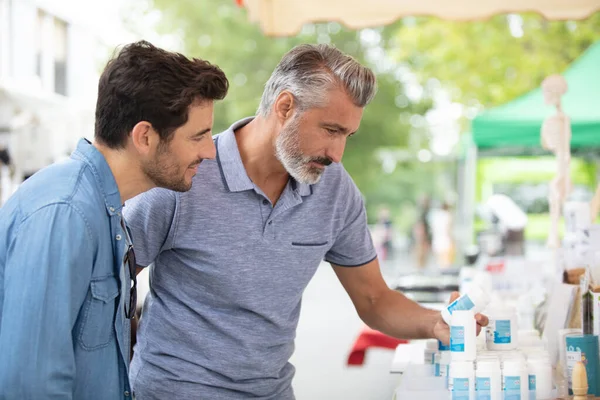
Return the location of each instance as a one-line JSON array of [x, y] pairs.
[[228, 276]]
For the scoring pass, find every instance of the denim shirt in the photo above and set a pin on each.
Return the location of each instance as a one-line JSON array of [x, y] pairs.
[[63, 331]]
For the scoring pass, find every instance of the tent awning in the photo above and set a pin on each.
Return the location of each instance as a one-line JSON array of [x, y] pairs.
[[518, 123], [286, 17]]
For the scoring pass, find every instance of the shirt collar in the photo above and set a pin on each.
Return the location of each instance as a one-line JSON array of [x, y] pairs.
[[103, 175], [232, 168]]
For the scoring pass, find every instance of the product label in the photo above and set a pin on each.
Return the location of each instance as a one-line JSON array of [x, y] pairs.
[[484, 395], [437, 369], [512, 387], [502, 332], [457, 339], [532, 382], [442, 346], [498, 332], [461, 395], [482, 386], [462, 303], [459, 388], [459, 384]]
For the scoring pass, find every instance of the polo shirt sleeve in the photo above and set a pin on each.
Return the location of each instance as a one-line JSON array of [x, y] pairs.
[[151, 218], [353, 245]]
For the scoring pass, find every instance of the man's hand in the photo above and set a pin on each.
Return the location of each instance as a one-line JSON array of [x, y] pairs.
[[441, 330]]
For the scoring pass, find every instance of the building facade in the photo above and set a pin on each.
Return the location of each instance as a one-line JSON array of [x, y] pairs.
[[50, 61]]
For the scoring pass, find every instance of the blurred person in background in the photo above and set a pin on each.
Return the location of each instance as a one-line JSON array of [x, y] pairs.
[[443, 244], [384, 234], [422, 233], [67, 266], [5, 161], [232, 257]]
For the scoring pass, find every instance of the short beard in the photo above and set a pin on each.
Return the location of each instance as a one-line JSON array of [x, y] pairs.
[[287, 151], [164, 172]]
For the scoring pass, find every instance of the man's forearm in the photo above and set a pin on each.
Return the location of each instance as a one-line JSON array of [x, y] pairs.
[[396, 315]]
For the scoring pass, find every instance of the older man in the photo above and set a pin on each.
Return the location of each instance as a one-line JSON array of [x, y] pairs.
[[233, 256]]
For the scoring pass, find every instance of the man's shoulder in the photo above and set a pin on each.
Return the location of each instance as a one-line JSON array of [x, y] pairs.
[[70, 183]]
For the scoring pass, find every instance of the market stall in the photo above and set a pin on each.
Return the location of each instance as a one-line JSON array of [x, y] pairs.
[[538, 336], [286, 17]]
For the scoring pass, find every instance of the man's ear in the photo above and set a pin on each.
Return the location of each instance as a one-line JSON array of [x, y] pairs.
[[144, 138], [284, 106]]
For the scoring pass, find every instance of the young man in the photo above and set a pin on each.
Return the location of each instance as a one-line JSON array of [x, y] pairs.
[[233, 256], [66, 259]]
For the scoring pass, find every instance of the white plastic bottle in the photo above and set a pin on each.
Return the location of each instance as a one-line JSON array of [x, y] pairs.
[[539, 369], [463, 337], [488, 378], [475, 299], [502, 331], [442, 363], [442, 360], [461, 381], [515, 382], [431, 347]]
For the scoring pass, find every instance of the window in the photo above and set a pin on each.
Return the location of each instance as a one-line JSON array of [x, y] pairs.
[[5, 36], [40, 43], [51, 52], [60, 56]]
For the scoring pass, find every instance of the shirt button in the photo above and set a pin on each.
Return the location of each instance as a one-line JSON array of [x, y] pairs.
[[118, 237], [265, 202], [126, 393], [112, 209]]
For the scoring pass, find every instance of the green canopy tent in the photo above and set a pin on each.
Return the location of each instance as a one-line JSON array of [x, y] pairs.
[[516, 125], [513, 129]]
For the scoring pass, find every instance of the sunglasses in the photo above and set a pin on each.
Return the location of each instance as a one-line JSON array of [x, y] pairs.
[[129, 260]]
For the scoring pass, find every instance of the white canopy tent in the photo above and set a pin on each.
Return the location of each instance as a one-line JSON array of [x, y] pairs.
[[286, 17]]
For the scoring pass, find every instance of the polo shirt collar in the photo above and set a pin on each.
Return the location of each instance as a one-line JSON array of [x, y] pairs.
[[232, 168]]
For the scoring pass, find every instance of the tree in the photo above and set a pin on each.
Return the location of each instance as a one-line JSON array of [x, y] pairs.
[[219, 31], [493, 61]]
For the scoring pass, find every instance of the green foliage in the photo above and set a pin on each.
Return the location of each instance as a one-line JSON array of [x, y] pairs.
[[480, 62], [487, 62], [219, 31]]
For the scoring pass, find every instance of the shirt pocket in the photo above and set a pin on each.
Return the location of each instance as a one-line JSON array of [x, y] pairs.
[[100, 309], [310, 243], [310, 251]]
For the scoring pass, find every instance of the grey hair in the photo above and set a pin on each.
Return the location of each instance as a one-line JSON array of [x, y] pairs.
[[309, 71]]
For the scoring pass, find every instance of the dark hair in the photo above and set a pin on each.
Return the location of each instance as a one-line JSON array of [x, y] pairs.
[[145, 83]]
